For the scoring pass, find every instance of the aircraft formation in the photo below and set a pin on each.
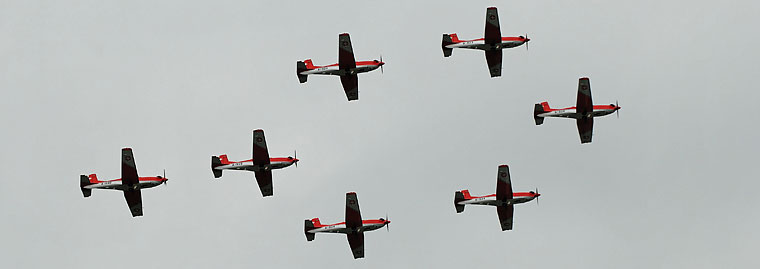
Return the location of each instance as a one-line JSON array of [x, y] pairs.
[[347, 68]]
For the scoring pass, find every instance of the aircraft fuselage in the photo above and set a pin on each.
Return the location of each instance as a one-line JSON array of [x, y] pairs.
[[367, 225], [571, 112], [334, 69], [116, 184], [480, 44], [275, 163], [518, 198]]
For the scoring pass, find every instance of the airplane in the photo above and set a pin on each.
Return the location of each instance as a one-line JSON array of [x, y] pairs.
[[504, 199], [583, 112], [129, 183], [492, 43], [260, 164], [347, 68], [354, 227]]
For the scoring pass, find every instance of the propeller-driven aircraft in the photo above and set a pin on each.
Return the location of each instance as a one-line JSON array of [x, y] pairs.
[[504, 199], [347, 68], [260, 164], [129, 183], [492, 43], [583, 112], [354, 227]]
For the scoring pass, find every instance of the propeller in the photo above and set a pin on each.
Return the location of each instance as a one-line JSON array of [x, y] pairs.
[[526, 41], [295, 156], [617, 109], [538, 195], [388, 223], [165, 180], [381, 64]]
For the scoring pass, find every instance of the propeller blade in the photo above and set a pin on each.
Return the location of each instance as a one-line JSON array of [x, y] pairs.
[[295, 156], [526, 42], [382, 71], [617, 110], [539, 195], [387, 224], [165, 177]]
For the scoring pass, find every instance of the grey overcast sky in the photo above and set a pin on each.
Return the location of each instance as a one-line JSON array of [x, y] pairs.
[[672, 183]]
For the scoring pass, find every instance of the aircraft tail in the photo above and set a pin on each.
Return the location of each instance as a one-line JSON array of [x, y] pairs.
[[448, 40], [216, 162], [540, 109], [458, 197], [86, 181], [310, 225], [301, 67]]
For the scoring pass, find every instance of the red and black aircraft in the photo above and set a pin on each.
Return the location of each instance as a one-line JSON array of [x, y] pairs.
[[583, 112], [129, 183], [504, 199], [354, 227], [347, 68], [260, 164], [492, 43]]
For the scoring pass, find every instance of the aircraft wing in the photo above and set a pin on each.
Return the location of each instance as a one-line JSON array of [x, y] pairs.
[[260, 152], [356, 242], [134, 201], [128, 169], [350, 86], [506, 213], [585, 128], [346, 59], [584, 105], [493, 31], [493, 58], [264, 179], [503, 184], [353, 215]]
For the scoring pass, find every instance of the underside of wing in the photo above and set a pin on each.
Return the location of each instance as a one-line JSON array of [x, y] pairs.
[[260, 152], [264, 179], [346, 59], [493, 31], [506, 214], [134, 201], [128, 169], [503, 184], [350, 86], [356, 242], [493, 58], [583, 104], [353, 215], [585, 128]]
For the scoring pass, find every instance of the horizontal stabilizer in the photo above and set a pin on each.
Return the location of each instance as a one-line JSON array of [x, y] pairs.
[[85, 181], [539, 109], [308, 226], [216, 162], [301, 67], [446, 41], [458, 197]]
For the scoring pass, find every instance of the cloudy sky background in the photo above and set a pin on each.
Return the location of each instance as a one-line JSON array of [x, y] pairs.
[[671, 184]]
